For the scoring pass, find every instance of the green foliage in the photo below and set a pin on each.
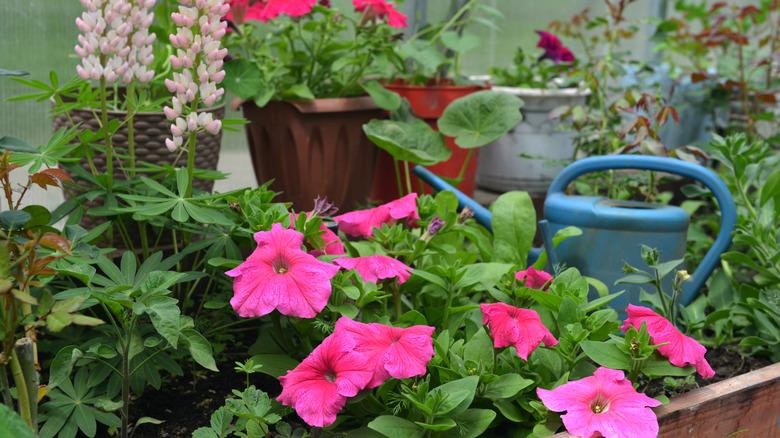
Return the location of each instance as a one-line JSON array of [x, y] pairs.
[[743, 305], [247, 413], [530, 72], [480, 118], [323, 54]]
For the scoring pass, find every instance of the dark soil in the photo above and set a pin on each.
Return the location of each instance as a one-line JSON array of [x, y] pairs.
[[186, 403], [727, 363]]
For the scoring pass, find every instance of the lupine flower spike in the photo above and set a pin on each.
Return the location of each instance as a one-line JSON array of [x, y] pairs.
[[115, 42], [199, 60]]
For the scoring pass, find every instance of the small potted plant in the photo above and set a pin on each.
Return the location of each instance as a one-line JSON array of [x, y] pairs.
[[128, 66], [533, 153], [300, 71], [430, 78]]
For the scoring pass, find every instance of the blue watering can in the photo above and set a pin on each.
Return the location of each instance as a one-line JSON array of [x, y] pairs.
[[612, 230]]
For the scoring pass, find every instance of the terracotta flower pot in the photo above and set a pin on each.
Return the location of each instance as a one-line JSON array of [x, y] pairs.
[[314, 148], [151, 130], [428, 103]]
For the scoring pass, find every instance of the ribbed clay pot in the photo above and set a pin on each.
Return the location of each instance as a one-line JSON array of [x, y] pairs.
[[151, 130], [314, 148]]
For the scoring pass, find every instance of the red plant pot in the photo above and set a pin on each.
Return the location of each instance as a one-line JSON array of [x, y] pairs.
[[428, 103]]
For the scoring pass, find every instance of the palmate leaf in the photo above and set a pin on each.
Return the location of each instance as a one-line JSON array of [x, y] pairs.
[[412, 141], [480, 118]]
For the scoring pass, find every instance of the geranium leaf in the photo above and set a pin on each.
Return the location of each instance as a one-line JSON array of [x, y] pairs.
[[413, 141], [480, 118], [243, 78]]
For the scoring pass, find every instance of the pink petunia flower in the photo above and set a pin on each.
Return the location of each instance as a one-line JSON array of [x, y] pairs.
[[533, 279], [361, 223], [392, 351], [280, 275], [376, 267], [604, 404], [332, 243], [513, 326], [319, 386], [292, 8], [554, 50], [381, 9], [681, 350]]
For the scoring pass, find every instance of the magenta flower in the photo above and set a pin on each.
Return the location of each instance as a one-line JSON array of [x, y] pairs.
[[554, 50], [391, 351], [242, 11], [319, 386], [361, 223], [513, 326], [533, 279], [381, 9], [292, 8], [604, 404], [376, 267], [681, 350], [280, 275]]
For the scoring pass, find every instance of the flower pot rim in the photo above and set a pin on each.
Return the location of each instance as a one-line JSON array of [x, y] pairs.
[[543, 92], [328, 104], [464, 87]]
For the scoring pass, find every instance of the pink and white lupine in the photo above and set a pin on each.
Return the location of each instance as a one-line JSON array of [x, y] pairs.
[[115, 42], [199, 59], [141, 53]]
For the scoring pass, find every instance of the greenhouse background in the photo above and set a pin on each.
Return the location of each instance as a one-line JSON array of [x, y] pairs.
[[40, 35]]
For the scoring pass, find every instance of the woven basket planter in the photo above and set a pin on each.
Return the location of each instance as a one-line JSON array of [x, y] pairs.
[[151, 130]]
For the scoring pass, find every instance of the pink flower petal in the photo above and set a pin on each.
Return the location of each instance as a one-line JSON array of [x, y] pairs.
[[361, 223], [681, 350], [279, 275], [513, 326], [622, 411], [319, 386], [391, 351], [376, 267], [533, 279]]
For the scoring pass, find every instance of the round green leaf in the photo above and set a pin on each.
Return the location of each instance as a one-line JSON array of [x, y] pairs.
[[413, 141], [480, 118], [243, 78]]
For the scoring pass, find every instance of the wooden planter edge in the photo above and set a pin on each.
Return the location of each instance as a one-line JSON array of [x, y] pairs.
[[745, 405]]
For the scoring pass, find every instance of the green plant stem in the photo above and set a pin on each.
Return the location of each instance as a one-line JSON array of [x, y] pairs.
[[463, 167], [22, 393], [25, 350], [125, 388], [131, 128], [144, 238], [397, 301], [106, 135], [408, 178], [5, 387], [398, 178]]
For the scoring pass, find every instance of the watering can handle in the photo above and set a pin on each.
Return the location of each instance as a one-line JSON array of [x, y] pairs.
[[728, 212]]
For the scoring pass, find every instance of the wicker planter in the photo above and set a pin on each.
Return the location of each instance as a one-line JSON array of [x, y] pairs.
[[314, 148], [746, 405], [151, 130]]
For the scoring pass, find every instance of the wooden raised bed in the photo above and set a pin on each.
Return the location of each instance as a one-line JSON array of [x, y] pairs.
[[744, 406]]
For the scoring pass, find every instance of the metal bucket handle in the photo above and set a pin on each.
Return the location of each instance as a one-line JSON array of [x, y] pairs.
[[728, 212]]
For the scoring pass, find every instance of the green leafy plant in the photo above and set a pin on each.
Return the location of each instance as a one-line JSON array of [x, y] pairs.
[[326, 53]]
